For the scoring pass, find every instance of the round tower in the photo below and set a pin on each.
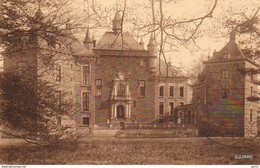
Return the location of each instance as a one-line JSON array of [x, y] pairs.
[[152, 51]]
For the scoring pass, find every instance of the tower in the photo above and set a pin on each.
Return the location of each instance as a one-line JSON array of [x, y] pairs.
[[152, 51]]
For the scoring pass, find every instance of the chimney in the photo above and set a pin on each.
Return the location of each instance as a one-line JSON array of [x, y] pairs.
[[93, 40], [117, 22], [232, 37], [170, 62], [141, 42]]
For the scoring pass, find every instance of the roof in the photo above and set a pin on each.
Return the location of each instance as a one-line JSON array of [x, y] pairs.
[[80, 50], [115, 41], [232, 50], [172, 71]]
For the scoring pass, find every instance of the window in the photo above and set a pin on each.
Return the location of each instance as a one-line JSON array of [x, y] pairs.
[[251, 91], [58, 99], [181, 91], [85, 101], [161, 90], [134, 103], [171, 104], [161, 108], [142, 88], [86, 75], [253, 76], [98, 87], [251, 115], [85, 121], [160, 120], [121, 90], [58, 120], [142, 63], [22, 66], [171, 91], [58, 74], [181, 103], [224, 74], [226, 55], [224, 92]]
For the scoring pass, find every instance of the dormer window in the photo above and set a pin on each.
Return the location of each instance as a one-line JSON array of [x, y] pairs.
[[121, 90], [226, 55]]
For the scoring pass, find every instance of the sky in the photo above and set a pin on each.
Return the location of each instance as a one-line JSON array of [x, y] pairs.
[[184, 57], [207, 44]]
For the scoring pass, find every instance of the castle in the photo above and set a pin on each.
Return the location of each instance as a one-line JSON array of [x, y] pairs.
[[116, 81]]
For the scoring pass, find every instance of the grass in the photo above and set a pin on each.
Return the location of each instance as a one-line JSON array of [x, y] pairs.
[[170, 151]]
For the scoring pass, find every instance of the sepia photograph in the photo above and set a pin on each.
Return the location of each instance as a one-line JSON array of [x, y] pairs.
[[129, 82]]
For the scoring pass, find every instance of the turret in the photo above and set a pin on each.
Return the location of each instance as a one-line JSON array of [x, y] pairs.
[[117, 22], [152, 51], [38, 18], [88, 43]]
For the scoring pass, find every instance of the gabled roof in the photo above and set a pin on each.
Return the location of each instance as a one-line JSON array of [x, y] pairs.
[[115, 41], [232, 50]]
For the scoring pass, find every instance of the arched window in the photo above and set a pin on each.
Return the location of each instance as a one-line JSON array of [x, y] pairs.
[[121, 90]]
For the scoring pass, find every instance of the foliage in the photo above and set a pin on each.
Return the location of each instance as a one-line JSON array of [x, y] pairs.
[[29, 109]]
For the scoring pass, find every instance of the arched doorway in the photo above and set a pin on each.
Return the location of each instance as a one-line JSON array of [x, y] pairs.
[[180, 117], [120, 111]]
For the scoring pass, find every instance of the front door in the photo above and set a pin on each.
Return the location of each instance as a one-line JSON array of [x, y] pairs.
[[120, 111]]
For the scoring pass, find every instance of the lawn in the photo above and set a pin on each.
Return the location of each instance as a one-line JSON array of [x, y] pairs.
[[129, 151]]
